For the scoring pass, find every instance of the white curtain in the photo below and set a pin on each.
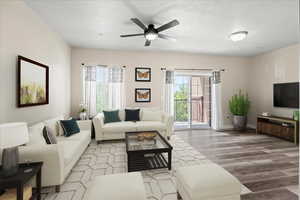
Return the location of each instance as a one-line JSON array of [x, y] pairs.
[[168, 92], [103, 88], [116, 95], [217, 118]]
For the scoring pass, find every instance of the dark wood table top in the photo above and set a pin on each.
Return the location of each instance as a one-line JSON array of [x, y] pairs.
[[21, 176]]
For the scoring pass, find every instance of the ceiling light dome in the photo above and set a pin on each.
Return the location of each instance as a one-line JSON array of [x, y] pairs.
[[151, 36], [238, 36]]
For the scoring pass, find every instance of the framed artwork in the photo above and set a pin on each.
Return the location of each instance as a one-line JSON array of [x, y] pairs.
[[142, 95], [33, 83], [143, 74]]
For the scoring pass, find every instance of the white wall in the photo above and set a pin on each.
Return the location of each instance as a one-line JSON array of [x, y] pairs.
[[233, 78], [22, 32], [278, 66]]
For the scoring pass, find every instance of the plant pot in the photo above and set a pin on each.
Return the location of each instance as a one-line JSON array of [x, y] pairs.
[[239, 122], [83, 116]]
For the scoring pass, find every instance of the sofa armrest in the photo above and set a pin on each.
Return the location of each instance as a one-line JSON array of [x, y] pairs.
[[52, 157], [98, 122], [84, 124], [168, 120]]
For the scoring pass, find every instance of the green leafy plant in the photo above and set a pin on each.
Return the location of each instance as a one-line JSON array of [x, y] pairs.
[[239, 104], [82, 108], [181, 103]]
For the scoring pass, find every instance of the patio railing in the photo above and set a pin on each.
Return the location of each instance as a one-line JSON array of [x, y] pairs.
[[183, 108]]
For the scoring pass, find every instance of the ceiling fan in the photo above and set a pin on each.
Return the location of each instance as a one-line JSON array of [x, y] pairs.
[[151, 33]]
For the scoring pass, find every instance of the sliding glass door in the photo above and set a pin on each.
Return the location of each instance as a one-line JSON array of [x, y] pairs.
[[181, 101], [192, 101]]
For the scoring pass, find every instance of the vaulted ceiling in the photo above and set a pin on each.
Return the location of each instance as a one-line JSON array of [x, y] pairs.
[[205, 25]]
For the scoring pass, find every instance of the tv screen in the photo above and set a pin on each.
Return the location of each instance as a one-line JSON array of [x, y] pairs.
[[286, 95]]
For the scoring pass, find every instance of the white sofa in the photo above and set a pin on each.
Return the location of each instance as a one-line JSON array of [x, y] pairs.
[[58, 158], [150, 119]]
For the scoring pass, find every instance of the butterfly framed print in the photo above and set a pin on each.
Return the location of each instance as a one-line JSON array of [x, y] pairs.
[[142, 95], [143, 74]]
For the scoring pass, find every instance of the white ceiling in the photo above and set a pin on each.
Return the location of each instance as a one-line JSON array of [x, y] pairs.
[[204, 24]]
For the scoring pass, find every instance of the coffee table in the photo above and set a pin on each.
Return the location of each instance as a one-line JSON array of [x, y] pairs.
[[147, 154]]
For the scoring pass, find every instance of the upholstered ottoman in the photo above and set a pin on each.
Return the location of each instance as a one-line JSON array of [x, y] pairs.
[[128, 186], [207, 182]]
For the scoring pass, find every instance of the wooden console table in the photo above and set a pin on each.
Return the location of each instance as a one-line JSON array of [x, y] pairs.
[[285, 128]]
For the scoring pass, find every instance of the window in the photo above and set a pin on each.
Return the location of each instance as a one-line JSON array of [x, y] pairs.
[[103, 88]]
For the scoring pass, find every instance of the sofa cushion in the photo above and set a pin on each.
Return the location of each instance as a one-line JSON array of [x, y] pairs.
[[150, 125], [71, 148], [111, 116], [151, 115], [80, 136], [132, 115], [207, 181], [36, 134], [73, 145], [119, 127]]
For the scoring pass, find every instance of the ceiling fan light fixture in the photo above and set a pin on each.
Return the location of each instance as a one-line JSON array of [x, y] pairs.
[[150, 32], [151, 36], [238, 36]]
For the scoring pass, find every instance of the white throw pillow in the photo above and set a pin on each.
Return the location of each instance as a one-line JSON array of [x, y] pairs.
[[149, 115], [60, 128], [36, 134], [54, 125]]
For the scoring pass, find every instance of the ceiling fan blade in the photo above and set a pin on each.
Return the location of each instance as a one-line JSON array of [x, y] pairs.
[[132, 35], [171, 24], [147, 43], [166, 37], [139, 23]]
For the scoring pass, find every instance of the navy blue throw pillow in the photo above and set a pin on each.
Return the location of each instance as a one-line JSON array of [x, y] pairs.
[[70, 127], [132, 115]]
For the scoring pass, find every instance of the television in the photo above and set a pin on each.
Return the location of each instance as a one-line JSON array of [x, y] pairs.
[[286, 95]]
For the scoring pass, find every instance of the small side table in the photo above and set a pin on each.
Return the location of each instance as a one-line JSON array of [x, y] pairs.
[[22, 177]]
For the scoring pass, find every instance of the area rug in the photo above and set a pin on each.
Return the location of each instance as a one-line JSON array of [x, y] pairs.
[[110, 158]]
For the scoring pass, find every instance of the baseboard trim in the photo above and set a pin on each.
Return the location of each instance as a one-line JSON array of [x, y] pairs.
[[230, 127], [227, 127], [252, 126]]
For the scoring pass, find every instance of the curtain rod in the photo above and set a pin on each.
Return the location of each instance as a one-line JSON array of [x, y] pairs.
[[191, 69], [83, 65]]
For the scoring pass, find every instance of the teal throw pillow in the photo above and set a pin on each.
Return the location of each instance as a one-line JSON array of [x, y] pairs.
[[70, 127], [111, 116]]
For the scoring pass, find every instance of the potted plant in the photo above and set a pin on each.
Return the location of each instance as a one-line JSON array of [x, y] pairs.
[[82, 112], [239, 106]]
